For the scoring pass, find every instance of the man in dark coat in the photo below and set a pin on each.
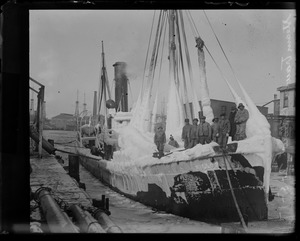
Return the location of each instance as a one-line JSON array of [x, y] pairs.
[[186, 133], [240, 119], [194, 139], [160, 140], [204, 131], [224, 130], [215, 129], [232, 124]]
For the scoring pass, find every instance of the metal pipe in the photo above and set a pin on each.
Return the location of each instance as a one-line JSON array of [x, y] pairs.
[[86, 223], [106, 223], [56, 220]]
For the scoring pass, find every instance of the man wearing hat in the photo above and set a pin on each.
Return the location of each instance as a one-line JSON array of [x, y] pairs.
[[160, 140], [231, 120], [224, 130], [240, 119], [186, 132], [215, 128], [194, 134], [204, 131]]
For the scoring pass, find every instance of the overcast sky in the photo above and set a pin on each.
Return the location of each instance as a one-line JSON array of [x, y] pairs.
[[65, 51]]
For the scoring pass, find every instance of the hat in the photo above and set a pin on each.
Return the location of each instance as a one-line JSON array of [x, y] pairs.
[[240, 104], [186, 120], [195, 119], [223, 114], [202, 117], [216, 118]]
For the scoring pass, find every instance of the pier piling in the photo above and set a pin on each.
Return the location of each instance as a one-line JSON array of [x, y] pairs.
[[74, 167]]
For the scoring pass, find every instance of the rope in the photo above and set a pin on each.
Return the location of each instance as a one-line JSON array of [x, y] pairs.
[[234, 198], [221, 46], [148, 49], [193, 22], [182, 68], [242, 189], [157, 45], [192, 27]]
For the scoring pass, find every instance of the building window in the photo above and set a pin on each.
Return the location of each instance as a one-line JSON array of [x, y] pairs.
[[285, 99]]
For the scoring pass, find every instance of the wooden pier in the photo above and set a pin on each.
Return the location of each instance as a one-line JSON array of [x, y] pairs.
[[51, 177]]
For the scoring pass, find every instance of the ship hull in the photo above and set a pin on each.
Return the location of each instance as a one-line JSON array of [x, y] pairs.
[[204, 196]]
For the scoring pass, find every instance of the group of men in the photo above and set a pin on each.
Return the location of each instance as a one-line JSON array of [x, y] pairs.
[[219, 131], [204, 133]]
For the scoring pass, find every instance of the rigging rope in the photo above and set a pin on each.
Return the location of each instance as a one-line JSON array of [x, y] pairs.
[[195, 99], [221, 47], [193, 23], [233, 196], [148, 49], [158, 44], [192, 27], [182, 68]]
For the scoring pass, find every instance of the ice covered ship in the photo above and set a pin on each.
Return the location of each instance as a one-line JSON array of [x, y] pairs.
[[206, 182]]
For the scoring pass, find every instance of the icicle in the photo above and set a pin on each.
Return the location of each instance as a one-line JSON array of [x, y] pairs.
[[154, 112], [205, 100], [175, 113]]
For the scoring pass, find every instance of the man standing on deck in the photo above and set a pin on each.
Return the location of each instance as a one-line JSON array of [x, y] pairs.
[[215, 129], [160, 140], [241, 117], [186, 132], [204, 131], [194, 134], [224, 130], [232, 124]]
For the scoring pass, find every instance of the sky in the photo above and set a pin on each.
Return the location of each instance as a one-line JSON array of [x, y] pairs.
[[65, 52]]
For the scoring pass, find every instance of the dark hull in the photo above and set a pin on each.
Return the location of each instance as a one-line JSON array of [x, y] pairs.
[[195, 194]]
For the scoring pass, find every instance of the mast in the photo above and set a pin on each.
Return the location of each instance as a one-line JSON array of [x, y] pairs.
[[84, 104], [175, 115], [172, 45], [77, 107]]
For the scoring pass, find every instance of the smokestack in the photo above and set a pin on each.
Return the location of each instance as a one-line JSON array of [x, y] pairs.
[[95, 104], [121, 87]]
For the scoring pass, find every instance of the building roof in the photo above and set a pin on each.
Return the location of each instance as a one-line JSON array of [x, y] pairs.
[[63, 116], [287, 87]]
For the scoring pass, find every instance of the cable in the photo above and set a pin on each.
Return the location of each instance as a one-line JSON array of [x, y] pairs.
[[233, 196], [221, 46], [148, 49]]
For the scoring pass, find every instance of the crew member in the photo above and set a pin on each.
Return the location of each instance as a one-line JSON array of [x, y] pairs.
[[194, 134], [160, 140], [232, 124], [241, 117], [186, 132], [173, 142], [204, 132], [224, 130], [215, 129]]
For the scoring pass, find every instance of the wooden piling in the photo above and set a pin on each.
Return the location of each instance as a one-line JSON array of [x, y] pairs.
[[74, 166]]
